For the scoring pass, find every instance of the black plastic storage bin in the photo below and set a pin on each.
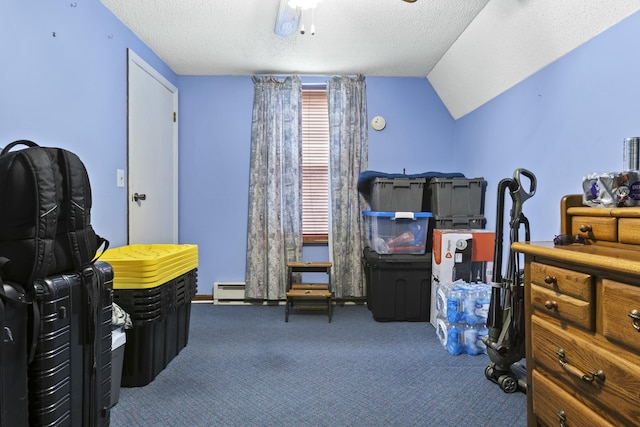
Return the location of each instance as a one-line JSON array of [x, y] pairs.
[[455, 196], [160, 317], [459, 222], [398, 286], [397, 194]]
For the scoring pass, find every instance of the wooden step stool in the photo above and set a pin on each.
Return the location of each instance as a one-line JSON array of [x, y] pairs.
[[308, 291]]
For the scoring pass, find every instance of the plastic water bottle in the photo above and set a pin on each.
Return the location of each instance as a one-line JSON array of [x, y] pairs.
[[453, 340], [454, 303], [482, 304], [471, 340], [469, 307]]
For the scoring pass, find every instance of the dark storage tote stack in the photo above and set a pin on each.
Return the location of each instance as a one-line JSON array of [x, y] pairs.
[[397, 260], [456, 203], [154, 284]]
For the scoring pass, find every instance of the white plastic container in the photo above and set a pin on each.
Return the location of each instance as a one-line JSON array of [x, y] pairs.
[[118, 340]]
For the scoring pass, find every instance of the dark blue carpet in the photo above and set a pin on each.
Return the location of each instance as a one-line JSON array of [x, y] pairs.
[[244, 366]]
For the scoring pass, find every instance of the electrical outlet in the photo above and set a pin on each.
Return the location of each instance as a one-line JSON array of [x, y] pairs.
[[120, 177]]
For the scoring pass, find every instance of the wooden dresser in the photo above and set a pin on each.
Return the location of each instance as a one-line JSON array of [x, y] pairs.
[[582, 314]]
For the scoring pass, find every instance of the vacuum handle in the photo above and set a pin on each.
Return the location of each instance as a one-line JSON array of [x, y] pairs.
[[524, 194], [518, 193]]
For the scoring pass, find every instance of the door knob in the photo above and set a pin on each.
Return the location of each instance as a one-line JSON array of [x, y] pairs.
[[137, 197]]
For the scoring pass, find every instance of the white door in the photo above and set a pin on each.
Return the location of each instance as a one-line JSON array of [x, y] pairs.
[[152, 155]]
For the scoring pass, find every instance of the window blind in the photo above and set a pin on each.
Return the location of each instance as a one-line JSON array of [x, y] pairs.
[[315, 165]]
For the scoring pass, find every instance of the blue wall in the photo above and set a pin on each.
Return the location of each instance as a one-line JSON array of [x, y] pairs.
[[565, 121], [69, 90], [64, 75], [419, 127], [215, 137]]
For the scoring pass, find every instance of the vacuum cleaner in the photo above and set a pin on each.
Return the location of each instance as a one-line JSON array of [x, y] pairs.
[[505, 340]]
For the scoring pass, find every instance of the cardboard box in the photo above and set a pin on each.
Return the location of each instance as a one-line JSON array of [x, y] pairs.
[[460, 255]]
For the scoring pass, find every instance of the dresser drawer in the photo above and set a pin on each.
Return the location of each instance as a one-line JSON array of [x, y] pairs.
[[595, 227], [619, 301], [629, 230], [552, 406], [562, 280], [563, 307], [605, 380]]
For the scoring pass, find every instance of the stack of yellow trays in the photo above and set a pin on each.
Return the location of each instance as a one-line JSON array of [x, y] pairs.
[[149, 266]]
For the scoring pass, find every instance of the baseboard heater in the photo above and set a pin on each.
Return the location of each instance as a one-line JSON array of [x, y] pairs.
[[228, 292]]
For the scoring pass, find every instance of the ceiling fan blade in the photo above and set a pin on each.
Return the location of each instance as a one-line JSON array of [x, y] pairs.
[[287, 20]]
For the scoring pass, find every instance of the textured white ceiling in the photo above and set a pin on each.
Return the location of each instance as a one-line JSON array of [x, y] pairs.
[[231, 37], [471, 50]]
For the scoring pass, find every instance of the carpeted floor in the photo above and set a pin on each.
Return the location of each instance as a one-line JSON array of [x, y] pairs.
[[244, 366]]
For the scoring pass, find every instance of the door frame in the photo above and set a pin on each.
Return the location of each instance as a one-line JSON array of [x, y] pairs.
[[134, 59]]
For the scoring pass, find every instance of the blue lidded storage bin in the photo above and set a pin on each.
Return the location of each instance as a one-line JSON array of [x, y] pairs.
[[397, 232]]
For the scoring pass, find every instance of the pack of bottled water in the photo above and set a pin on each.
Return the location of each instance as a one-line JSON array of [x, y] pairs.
[[461, 338], [462, 309], [462, 302]]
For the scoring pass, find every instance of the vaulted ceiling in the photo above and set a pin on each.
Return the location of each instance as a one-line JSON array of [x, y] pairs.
[[470, 50]]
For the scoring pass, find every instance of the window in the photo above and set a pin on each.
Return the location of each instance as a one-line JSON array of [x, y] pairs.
[[315, 165]]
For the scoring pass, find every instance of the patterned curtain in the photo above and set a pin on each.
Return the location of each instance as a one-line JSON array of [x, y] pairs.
[[275, 230], [348, 154]]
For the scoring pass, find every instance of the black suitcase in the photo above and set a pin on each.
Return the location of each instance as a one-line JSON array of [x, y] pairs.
[[13, 356], [70, 376]]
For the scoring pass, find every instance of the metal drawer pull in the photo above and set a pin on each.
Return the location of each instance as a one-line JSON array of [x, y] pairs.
[[589, 377], [550, 280], [585, 228], [551, 305], [635, 319], [562, 418]]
